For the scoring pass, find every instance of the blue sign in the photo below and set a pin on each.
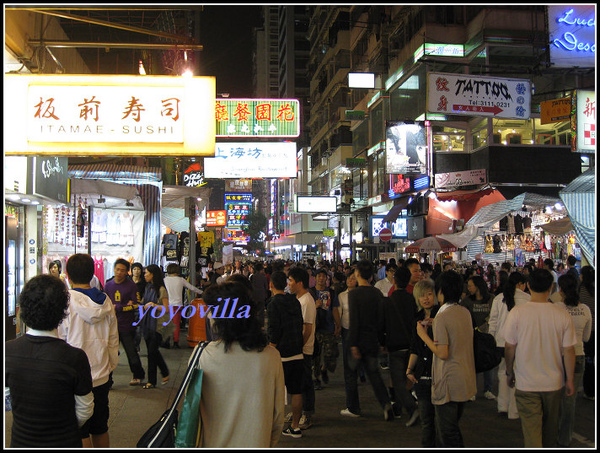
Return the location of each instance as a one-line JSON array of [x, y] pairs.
[[572, 32], [399, 227]]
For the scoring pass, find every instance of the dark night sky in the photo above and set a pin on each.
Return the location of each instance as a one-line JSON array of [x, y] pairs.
[[226, 34]]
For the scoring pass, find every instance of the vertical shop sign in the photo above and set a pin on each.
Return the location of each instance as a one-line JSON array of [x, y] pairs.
[[583, 122], [257, 117], [50, 177], [238, 206]]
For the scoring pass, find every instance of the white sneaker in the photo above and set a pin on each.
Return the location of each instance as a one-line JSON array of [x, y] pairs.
[[489, 395], [473, 398], [348, 413], [413, 418]]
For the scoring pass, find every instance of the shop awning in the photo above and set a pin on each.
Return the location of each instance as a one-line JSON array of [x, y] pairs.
[[490, 214], [393, 213], [464, 195], [461, 239], [105, 194], [558, 227], [579, 197], [115, 172]]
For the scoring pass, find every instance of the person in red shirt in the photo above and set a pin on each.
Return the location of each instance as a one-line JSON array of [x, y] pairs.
[[416, 273]]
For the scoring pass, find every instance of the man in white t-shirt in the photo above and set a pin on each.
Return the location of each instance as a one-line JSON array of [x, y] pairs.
[[298, 281], [386, 285], [540, 341]]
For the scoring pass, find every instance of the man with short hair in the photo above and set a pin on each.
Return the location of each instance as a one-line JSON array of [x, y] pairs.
[[539, 349], [367, 332], [386, 285], [285, 324], [125, 296], [414, 267], [91, 325], [571, 269], [381, 270], [298, 283]]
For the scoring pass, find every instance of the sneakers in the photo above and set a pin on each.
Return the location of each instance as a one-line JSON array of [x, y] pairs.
[[413, 418], [288, 417], [305, 422], [473, 398], [295, 433], [348, 413], [587, 397], [388, 413], [397, 410], [489, 395]]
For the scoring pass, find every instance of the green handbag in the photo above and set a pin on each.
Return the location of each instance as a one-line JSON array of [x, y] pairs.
[[189, 425]]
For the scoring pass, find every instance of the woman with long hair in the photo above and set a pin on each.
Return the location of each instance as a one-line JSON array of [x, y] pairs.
[[514, 294], [242, 402], [479, 303], [582, 320], [587, 296], [156, 305]]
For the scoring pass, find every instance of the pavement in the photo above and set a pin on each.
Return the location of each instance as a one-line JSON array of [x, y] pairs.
[[133, 410]]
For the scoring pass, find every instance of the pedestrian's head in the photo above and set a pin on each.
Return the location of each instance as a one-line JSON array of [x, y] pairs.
[[137, 269], [477, 287], [449, 287], [240, 279], [173, 268], [55, 267], [414, 267], [257, 267], [278, 280], [567, 285], [298, 279], [321, 277], [241, 323], [588, 279], [424, 293], [43, 302], [540, 281], [80, 268], [364, 269], [571, 260], [402, 277], [121, 269], [515, 281], [351, 279], [506, 266], [154, 276], [549, 264]]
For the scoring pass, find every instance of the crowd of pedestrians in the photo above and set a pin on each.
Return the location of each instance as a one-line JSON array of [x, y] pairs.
[[412, 318]]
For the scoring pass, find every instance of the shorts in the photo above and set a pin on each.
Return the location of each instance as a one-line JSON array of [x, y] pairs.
[[98, 422], [293, 373]]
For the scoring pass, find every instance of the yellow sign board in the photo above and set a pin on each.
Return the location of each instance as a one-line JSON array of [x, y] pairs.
[[555, 110], [81, 115]]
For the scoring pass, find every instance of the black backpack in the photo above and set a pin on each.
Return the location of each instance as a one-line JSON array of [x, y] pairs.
[[487, 354]]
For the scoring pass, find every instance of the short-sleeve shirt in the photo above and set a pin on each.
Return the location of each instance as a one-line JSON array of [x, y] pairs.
[[540, 331], [453, 379], [309, 314]]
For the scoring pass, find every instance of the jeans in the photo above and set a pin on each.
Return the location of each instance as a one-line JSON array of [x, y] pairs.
[[350, 376], [447, 417], [539, 413], [127, 339], [567, 406], [371, 366], [398, 362], [426, 413], [308, 387], [488, 380], [155, 358]]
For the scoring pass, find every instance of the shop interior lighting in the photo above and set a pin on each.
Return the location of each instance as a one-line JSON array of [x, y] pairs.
[[142, 70], [558, 207]]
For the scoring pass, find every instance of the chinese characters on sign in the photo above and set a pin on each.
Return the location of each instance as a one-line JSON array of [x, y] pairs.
[[238, 206], [583, 122], [257, 117], [105, 113], [216, 218]]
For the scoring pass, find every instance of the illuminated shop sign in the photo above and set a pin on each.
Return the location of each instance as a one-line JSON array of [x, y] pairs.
[[399, 184], [238, 206], [440, 50], [459, 94], [252, 160], [406, 148], [193, 176], [555, 110], [583, 122], [216, 218], [109, 115], [460, 178], [398, 228], [307, 204], [572, 31], [257, 117]]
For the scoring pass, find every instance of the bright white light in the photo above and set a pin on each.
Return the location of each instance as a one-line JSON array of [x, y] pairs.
[[25, 200], [14, 197], [361, 80], [142, 70], [187, 73], [558, 207]]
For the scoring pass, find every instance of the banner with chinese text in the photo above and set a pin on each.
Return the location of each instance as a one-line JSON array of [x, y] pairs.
[[257, 117]]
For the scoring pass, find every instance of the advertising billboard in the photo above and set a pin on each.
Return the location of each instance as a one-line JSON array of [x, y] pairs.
[[252, 160], [257, 117], [460, 94], [406, 148], [310, 205], [398, 227], [238, 207], [583, 121]]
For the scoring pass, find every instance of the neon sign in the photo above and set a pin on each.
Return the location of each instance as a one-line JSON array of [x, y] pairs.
[[572, 35], [257, 117]]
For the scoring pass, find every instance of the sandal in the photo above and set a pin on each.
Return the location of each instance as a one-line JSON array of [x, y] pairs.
[[135, 382], [165, 380], [147, 385]]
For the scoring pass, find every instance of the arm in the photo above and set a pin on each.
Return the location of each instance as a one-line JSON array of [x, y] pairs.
[[441, 350], [412, 361], [306, 331], [569, 361], [191, 287], [493, 319], [509, 358]]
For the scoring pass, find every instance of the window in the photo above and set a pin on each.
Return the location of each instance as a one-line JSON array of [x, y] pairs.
[[448, 139]]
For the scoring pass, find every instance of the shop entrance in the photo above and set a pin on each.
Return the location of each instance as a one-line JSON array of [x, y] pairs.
[[13, 276]]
